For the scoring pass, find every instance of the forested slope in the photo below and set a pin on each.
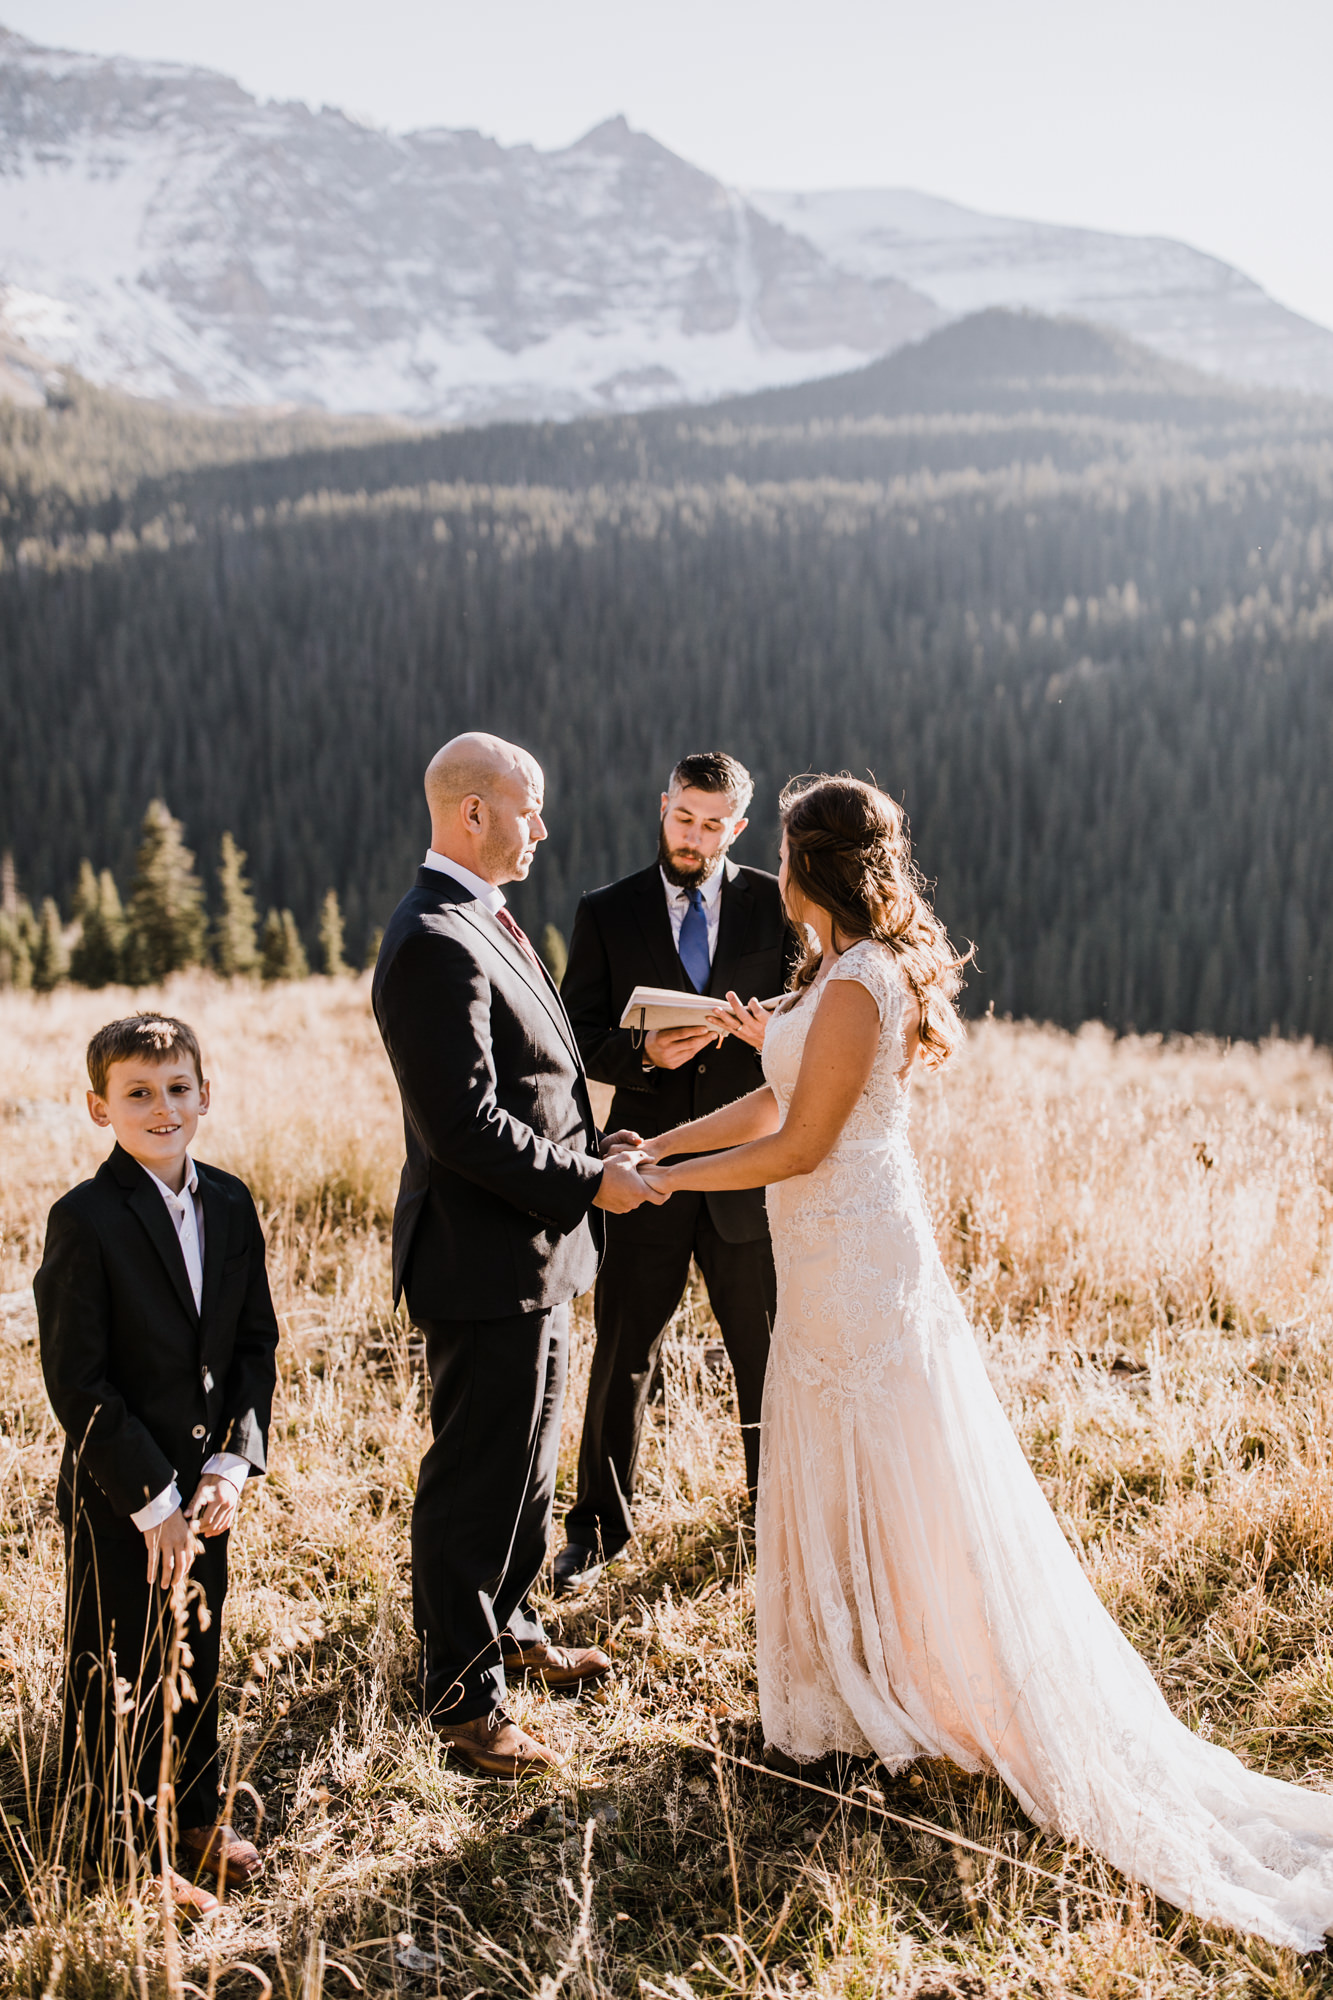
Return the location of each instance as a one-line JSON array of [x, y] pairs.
[[1073, 606]]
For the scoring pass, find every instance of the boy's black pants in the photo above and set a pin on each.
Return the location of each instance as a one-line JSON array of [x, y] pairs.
[[119, 1627]]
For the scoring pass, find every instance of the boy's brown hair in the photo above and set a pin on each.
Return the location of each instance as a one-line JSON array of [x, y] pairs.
[[151, 1037]]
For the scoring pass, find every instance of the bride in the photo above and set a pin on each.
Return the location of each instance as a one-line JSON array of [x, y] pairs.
[[915, 1595]]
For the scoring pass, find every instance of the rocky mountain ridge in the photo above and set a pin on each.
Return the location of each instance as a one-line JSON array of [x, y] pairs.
[[1186, 305], [164, 232]]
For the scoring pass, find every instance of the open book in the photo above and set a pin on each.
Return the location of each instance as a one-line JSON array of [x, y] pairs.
[[665, 1007]]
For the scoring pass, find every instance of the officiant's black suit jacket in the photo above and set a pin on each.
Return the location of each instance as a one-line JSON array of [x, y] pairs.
[[494, 1213], [622, 939], [146, 1388]]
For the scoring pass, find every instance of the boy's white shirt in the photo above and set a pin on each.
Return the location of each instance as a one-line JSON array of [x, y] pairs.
[[187, 1212]]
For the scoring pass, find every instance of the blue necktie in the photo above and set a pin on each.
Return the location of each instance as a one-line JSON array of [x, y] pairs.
[[693, 946]]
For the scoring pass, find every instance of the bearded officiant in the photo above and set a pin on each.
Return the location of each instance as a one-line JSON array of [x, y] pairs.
[[696, 922]]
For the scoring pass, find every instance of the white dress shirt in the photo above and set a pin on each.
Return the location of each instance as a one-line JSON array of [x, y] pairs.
[[187, 1212], [486, 893], [678, 901]]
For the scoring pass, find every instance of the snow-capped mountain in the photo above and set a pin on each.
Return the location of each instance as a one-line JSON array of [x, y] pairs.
[[164, 232], [1187, 306]]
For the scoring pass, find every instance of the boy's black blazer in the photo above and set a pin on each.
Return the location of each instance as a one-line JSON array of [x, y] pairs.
[[622, 939], [144, 1387], [494, 1213]]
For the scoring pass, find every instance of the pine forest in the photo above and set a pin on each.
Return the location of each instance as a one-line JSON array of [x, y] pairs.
[[1072, 606]]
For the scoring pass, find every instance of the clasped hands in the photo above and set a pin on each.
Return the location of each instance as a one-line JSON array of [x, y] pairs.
[[174, 1543], [623, 1188], [626, 1181]]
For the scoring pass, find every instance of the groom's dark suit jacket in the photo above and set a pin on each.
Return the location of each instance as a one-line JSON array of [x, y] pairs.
[[622, 939], [494, 1213]]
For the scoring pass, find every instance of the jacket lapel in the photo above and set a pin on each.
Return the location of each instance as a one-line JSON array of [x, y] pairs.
[[655, 923], [148, 1205], [533, 977], [215, 1240], [732, 926]]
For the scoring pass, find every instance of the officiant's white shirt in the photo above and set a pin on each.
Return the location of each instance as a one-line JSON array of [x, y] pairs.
[[486, 893], [678, 901]]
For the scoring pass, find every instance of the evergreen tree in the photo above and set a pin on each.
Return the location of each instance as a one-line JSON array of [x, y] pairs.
[[281, 953], [18, 936], [166, 915], [50, 960], [373, 943], [16, 930], [555, 952], [98, 957], [331, 937], [235, 952], [85, 893]]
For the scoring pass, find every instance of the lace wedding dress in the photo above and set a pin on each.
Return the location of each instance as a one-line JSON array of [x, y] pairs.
[[915, 1595]]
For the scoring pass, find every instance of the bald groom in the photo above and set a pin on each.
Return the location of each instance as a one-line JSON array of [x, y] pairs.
[[494, 1232]]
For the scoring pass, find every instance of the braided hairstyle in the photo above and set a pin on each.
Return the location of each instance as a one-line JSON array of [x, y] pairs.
[[848, 852]]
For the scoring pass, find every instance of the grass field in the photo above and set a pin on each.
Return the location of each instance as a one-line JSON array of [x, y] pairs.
[[1142, 1236]]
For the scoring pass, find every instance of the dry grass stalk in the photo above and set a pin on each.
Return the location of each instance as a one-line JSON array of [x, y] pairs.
[[1142, 1236]]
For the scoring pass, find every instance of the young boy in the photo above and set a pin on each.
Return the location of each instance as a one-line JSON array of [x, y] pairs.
[[157, 1340]]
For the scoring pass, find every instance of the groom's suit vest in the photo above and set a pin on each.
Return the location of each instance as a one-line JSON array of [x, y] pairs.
[[622, 939], [494, 1212]]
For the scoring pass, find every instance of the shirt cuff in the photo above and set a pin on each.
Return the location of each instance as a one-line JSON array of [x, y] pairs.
[[228, 1465], [159, 1509]]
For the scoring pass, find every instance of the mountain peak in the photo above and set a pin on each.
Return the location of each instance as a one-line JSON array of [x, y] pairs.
[[613, 135], [618, 139], [164, 232]]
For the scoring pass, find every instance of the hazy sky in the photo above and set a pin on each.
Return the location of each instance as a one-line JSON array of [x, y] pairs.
[[1203, 119]]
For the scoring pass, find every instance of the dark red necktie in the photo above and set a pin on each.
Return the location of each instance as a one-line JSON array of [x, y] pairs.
[[518, 934]]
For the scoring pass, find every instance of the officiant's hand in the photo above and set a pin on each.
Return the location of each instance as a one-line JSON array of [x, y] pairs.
[[669, 1048], [622, 1190], [748, 1021]]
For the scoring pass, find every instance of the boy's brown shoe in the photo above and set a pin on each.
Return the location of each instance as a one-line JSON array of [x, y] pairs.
[[496, 1747], [218, 1852]]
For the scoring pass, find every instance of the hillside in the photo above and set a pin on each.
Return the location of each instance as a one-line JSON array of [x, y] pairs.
[[1179, 302], [1072, 603]]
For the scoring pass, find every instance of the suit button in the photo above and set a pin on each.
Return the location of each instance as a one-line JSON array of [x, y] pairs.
[[198, 1431], [702, 1068]]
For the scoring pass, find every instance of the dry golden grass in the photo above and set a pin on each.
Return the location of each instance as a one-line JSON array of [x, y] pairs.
[[1142, 1236]]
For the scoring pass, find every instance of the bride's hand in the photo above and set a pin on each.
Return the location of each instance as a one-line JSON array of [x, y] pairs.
[[655, 1177], [747, 1021]]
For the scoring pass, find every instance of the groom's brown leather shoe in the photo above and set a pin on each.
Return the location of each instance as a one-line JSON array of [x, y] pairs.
[[557, 1666], [496, 1747], [218, 1852], [189, 1899]]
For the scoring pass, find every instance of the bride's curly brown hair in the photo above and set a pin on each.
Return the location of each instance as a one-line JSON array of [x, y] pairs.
[[847, 851]]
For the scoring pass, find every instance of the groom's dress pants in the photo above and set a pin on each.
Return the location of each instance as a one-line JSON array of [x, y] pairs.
[[482, 1515], [639, 1287]]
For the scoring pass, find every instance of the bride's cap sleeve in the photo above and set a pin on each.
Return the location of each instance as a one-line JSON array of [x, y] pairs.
[[867, 963]]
